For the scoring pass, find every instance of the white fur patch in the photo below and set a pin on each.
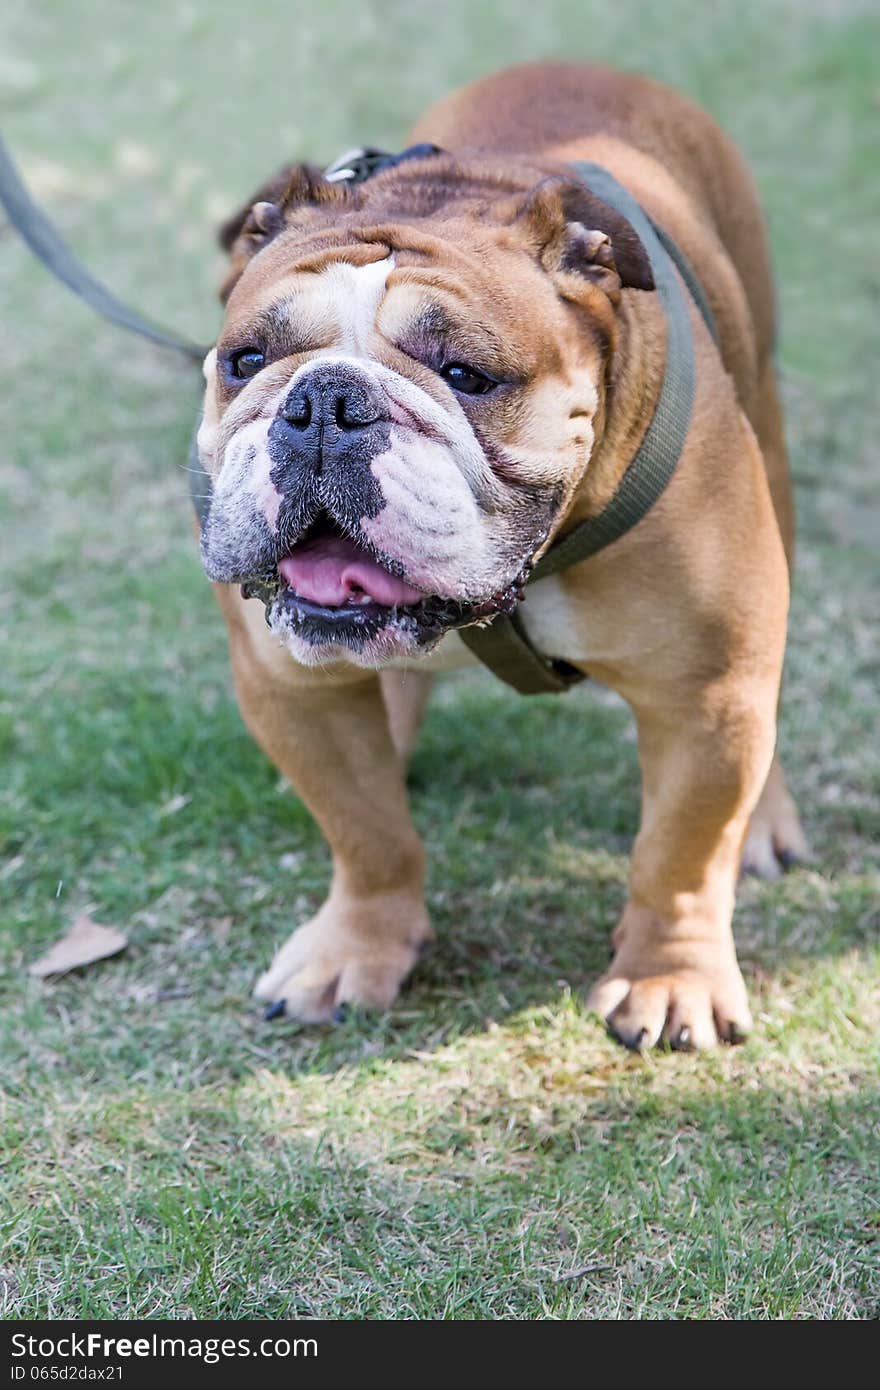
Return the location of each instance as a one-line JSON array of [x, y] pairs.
[[266, 494], [557, 624], [206, 438], [355, 293], [338, 307], [431, 520]]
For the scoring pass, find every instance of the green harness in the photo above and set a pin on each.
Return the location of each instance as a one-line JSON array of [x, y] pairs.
[[501, 644]]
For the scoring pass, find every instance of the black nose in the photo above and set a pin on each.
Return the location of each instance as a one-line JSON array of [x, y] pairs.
[[333, 422], [334, 396]]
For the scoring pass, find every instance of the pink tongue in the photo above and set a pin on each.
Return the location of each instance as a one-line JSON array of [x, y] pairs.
[[331, 570]]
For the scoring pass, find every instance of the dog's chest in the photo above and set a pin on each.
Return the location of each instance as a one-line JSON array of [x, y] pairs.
[[556, 624]]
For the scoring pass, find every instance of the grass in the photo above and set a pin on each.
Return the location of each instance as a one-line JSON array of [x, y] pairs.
[[484, 1151]]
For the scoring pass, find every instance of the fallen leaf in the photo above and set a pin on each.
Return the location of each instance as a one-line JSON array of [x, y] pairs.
[[87, 941]]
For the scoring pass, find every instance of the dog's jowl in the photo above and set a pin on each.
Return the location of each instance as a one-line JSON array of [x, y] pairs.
[[426, 378]]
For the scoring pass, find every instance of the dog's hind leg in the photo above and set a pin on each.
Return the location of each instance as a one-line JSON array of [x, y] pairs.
[[406, 697], [770, 430], [775, 839]]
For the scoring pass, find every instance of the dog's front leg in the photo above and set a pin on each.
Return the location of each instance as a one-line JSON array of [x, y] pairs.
[[333, 743], [674, 976]]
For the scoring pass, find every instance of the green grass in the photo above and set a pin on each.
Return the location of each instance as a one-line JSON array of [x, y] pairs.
[[484, 1151]]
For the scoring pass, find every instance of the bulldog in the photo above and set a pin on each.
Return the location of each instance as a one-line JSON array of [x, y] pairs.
[[423, 380]]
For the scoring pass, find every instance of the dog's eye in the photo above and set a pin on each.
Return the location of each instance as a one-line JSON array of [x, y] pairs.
[[466, 379], [246, 363]]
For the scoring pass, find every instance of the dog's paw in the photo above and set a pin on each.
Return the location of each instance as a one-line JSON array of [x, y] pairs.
[[342, 957], [775, 840], [684, 1009]]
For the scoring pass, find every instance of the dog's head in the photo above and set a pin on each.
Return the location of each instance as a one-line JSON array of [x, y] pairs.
[[405, 395]]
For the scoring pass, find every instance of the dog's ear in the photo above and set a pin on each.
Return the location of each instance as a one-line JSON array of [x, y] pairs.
[[574, 233], [258, 221]]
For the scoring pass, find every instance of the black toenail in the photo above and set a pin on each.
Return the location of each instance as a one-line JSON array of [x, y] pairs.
[[787, 858], [735, 1034], [340, 1013], [275, 1010], [683, 1040]]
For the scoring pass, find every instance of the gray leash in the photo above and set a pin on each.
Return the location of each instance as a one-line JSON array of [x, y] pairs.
[[43, 238]]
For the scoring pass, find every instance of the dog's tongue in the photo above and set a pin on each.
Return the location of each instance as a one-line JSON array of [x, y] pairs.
[[332, 571]]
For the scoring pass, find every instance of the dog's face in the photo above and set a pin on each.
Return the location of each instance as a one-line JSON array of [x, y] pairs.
[[399, 409]]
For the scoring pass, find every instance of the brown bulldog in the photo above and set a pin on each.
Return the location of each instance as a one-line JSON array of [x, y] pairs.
[[424, 380]]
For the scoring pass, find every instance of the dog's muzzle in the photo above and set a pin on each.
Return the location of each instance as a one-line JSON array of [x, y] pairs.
[[322, 580], [330, 427]]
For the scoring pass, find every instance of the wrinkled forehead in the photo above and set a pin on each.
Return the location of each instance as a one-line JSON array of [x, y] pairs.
[[338, 303], [405, 286]]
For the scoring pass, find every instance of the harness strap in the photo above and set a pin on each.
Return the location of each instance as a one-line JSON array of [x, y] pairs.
[[505, 649], [34, 227], [503, 645]]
